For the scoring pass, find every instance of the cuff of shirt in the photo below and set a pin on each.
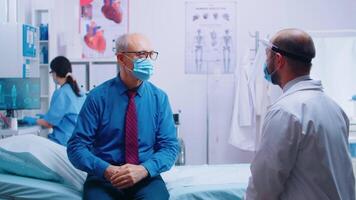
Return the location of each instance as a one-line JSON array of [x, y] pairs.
[[48, 120], [150, 167], [100, 168]]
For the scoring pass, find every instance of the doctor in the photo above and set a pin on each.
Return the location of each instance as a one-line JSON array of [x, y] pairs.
[[65, 104], [304, 149]]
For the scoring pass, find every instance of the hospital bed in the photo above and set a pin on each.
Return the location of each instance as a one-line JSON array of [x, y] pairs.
[[22, 157], [18, 187], [206, 182], [183, 183]]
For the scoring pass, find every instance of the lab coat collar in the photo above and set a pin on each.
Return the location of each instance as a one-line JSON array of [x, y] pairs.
[[294, 81], [299, 84], [123, 89]]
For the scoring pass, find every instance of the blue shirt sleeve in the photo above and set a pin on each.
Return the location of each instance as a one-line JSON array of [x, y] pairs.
[[57, 107], [166, 147], [83, 137]]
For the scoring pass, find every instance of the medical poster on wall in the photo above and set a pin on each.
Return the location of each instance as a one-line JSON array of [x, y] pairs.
[[210, 37], [101, 22]]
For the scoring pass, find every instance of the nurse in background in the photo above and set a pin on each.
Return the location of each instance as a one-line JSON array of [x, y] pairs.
[[65, 104]]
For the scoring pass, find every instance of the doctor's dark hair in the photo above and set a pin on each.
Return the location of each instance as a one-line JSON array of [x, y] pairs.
[[62, 66]]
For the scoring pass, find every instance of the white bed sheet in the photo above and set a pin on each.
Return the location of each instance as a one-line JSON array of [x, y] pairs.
[[206, 182]]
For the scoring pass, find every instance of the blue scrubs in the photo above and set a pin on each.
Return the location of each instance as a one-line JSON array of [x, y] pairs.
[[63, 113]]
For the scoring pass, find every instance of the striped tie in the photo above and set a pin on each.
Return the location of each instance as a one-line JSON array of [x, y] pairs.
[[131, 141]]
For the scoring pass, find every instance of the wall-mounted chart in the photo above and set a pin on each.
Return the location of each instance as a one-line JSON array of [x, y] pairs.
[[210, 37], [101, 23]]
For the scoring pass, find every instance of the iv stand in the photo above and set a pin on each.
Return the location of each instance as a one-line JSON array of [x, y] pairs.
[[207, 114]]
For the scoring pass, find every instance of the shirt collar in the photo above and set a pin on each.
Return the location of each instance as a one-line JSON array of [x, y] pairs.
[[123, 89], [294, 81]]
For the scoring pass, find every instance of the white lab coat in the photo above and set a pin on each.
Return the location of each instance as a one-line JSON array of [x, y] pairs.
[[243, 123], [304, 148], [253, 95]]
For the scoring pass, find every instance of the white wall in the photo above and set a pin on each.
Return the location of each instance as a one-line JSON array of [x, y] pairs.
[[15, 11], [3, 11], [24, 9], [164, 22], [12, 15]]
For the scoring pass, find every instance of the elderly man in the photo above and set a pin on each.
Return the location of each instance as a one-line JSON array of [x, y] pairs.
[[304, 150], [125, 135]]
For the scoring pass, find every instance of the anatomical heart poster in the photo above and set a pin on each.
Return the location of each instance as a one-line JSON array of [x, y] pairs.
[[210, 39], [101, 23]]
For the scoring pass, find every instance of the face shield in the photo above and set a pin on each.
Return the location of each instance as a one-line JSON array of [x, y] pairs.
[[270, 46], [267, 45], [269, 76]]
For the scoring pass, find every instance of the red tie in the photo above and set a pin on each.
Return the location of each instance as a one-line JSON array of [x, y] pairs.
[[131, 141]]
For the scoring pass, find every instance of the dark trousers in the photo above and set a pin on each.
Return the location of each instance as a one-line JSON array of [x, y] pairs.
[[149, 188]]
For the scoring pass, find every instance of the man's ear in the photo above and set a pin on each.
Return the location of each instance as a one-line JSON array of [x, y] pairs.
[[280, 60], [119, 57]]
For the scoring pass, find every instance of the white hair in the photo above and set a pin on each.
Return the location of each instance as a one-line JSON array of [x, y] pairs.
[[122, 43]]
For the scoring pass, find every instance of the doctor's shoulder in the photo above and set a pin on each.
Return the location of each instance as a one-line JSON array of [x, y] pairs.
[[281, 109], [67, 91]]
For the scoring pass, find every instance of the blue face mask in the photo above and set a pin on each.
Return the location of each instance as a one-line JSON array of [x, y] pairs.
[[143, 69], [269, 76]]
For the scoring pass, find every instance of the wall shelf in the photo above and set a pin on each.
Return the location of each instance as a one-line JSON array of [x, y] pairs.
[[43, 16], [86, 72]]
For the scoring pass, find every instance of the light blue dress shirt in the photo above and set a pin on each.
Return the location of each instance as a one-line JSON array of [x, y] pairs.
[[98, 139], [62, 114]]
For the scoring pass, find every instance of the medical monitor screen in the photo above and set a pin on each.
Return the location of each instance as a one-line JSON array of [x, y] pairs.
[[20, 93]]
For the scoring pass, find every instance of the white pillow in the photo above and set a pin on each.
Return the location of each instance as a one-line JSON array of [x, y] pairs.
[[50, 154]]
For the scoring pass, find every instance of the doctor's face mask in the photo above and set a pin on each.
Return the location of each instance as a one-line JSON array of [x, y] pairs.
[[268, 66], [270, 77]]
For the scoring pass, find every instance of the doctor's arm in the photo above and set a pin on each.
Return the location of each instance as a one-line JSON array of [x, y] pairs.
[[78, 147], [56, 111], [166, 147], [34, 121], [276, 155]]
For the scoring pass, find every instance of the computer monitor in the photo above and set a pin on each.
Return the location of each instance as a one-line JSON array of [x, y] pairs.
[[20, 93]]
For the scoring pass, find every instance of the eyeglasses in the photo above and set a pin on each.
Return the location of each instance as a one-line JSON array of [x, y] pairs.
[[276, 49], [143, 54]]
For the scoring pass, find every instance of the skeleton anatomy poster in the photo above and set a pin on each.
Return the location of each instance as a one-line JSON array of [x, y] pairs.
[[101, 22], [210, 37]]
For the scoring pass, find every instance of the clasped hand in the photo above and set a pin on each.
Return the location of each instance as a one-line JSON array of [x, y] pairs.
[[126, 175]]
